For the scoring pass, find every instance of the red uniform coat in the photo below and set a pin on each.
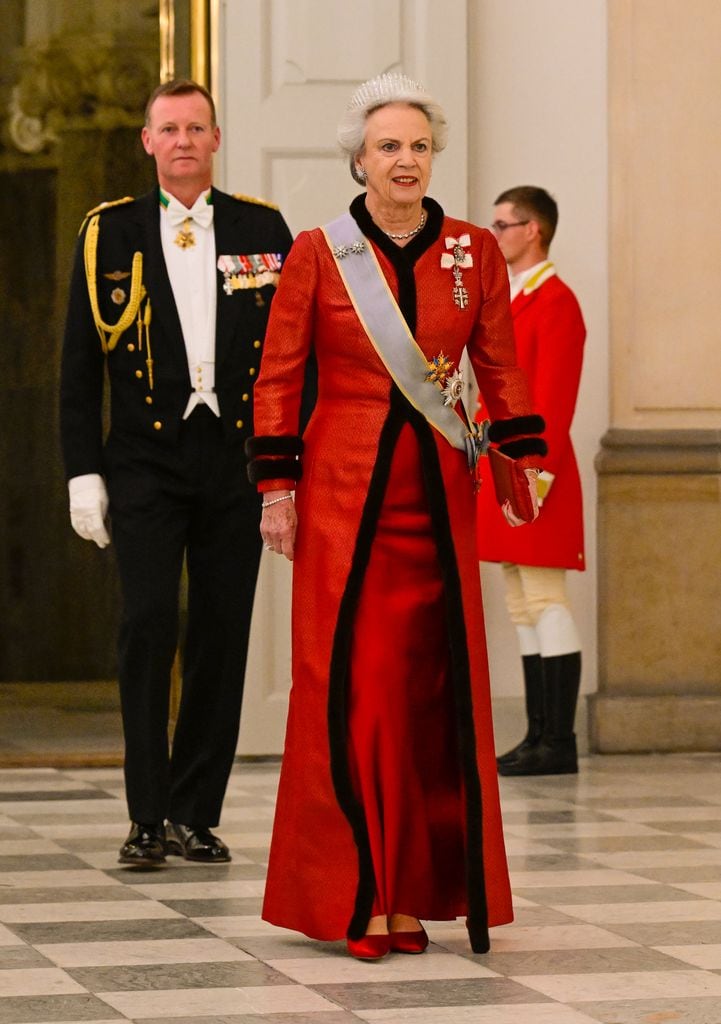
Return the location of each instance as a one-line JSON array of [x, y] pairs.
[[550, 334], [319, 877]]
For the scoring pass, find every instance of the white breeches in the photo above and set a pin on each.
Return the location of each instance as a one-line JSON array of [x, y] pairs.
[[538, 605]]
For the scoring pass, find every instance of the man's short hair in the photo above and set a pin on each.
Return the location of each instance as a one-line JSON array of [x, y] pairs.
[[180, 87], [532, 203]]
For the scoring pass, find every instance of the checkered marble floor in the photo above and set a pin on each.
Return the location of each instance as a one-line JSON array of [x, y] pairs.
[[617, 886]]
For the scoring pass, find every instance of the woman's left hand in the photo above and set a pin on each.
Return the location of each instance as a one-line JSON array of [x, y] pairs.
[[511, 518], [279, 523]]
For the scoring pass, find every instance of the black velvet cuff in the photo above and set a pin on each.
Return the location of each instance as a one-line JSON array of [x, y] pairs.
[[274, 469], [273, 444], [501, 430], [525, 446]]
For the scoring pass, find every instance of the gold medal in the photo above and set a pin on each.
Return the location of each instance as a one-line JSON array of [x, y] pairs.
[[185, 239]]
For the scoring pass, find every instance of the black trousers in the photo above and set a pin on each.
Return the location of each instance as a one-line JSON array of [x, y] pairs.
[[191, 501]]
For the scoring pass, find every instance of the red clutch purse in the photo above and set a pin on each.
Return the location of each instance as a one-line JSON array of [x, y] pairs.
[[511, 484]]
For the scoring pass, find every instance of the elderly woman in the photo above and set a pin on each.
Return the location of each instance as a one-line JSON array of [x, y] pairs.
[[388, 808]]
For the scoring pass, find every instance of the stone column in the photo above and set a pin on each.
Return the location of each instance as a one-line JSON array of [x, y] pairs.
[[659, 540]]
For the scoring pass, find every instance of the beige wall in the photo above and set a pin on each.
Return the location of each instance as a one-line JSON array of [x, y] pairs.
[[538, 115], [659, 508], [666, 197]]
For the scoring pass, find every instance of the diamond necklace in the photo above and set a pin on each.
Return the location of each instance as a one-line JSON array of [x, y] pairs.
[[408, 234]]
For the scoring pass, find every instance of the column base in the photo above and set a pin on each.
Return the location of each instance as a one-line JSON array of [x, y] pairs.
[[659, 600], [664, 723]]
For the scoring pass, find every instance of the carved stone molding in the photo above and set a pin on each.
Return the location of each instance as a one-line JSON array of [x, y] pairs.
[[659, 451]]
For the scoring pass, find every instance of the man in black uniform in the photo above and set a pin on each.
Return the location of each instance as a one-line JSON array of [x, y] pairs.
[[172, 291]]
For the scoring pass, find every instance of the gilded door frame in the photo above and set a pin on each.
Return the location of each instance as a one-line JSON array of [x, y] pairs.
[[202, 41]]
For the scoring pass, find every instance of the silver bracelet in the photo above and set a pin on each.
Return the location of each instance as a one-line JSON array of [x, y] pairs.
[[267, 504]]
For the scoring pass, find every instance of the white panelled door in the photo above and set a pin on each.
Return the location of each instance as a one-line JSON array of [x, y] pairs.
[[286, 71]]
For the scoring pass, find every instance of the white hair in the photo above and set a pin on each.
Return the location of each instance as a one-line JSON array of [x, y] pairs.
[[390, 87]]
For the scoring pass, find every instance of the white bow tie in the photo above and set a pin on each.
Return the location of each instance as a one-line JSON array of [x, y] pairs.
[[201, 212]]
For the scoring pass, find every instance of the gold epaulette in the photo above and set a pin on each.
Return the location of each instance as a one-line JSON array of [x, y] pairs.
[[253, 199], [105, 206]]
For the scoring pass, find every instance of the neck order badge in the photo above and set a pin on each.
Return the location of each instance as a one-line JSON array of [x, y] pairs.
[[180, 216]]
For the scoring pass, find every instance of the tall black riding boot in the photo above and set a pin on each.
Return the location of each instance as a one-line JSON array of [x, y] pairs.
[[555, 753], [533, 687]]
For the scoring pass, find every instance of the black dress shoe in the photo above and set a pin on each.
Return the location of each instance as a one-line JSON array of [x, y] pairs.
[[549, 757], [144, 847], [196, 844]]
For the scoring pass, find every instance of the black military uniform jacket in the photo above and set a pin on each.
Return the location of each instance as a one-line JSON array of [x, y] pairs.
[[147, 363]]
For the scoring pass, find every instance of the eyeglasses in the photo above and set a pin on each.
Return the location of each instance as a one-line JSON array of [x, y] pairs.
[[500, 225]]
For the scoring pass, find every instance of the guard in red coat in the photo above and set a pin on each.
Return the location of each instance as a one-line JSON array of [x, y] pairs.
[[550, 335]]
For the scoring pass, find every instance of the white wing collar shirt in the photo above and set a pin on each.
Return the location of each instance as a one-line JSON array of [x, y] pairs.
[[188, 241]]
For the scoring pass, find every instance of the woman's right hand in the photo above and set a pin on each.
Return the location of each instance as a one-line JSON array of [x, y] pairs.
[[279, 523], [511, 518]]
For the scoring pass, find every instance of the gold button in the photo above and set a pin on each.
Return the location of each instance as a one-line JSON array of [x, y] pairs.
[[246, 398], [131, 347], [157, 425], [251, 371], [239, 424], [256, 343], [138, 374], [148, 400]]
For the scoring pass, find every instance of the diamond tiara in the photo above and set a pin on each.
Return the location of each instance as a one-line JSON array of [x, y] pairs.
[[383, 89]]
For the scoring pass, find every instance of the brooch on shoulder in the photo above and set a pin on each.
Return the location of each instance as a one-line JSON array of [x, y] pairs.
[[354, 249]]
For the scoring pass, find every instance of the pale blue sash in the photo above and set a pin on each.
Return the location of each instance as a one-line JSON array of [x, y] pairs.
[[388, 332]]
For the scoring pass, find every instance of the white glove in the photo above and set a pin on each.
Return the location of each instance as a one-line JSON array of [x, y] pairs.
[[88, 508]]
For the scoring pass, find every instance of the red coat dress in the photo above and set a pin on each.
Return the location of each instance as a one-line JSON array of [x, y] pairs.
[[550, 335], [363, 443]]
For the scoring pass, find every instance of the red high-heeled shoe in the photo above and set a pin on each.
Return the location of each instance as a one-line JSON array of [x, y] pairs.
[[409, 942], [369, 947]]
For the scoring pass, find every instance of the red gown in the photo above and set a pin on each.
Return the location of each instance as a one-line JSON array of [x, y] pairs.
[[388, 798]]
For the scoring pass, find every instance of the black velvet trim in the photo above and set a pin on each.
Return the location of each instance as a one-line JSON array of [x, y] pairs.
[[501, 430], [403, 258], [274, 469], [273, 444], [339, 681], [525, 446], [478, 936]]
